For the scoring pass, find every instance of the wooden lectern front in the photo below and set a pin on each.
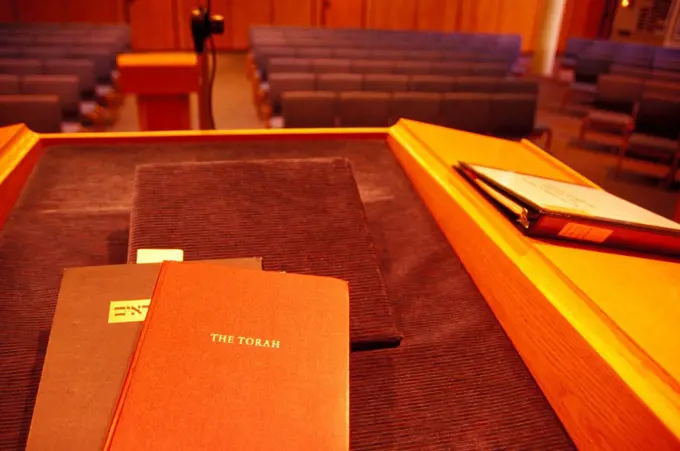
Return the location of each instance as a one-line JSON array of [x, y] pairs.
[[163, 83]]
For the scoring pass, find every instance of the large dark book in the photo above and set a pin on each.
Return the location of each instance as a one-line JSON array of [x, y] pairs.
[[256, 361], [97, 321], [302, 216], [547, 208]]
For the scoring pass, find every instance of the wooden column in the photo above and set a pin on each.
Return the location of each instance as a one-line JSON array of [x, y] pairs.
[[162, 83]]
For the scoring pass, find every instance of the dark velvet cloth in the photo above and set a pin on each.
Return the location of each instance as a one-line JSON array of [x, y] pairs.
[[455, 382], [302, 216]]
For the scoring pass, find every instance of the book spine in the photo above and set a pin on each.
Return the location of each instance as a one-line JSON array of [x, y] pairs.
[[607, 234], [108, 445]]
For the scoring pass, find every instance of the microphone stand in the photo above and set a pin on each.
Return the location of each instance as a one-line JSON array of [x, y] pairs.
[[203, 26]]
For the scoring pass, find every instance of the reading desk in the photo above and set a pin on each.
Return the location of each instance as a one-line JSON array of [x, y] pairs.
[[506, 340]]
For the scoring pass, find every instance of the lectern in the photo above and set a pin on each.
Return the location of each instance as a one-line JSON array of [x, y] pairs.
[[508, 341], [163, 83]]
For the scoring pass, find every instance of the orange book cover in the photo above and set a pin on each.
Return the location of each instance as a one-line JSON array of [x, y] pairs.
[[238, 359]]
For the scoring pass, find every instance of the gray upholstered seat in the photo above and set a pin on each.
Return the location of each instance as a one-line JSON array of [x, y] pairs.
[[281, 65], [41, 113], [412, 67], [82, 68], [466, 111], [282, 82], [432, 83], [20, 66], [364, 109], [419, 106], [104, 61], [328, 65], [449, 68], [313, 52], [67, 87], [518, 86], [385, 82], [372, 67], [9, 84], [512, 115], [339, 82], [477, 84], [489, 69], [308, 109], [44, 52], [640, 141], [350, 53]]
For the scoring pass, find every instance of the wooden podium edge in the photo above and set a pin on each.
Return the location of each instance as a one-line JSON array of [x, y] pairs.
[[606, 391]]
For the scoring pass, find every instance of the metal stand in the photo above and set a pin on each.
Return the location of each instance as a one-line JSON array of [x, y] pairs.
[[204, 25]]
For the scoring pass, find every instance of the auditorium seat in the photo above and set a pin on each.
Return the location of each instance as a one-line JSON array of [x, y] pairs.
[[339, 82], [83, 69], [9, 84], [419, 106], [449, 68], [352, 54], [364, 109], [328, 65], [385, 82], [613, 105], [313, 53], [20, 66], [656, 131], [372, 67], [467, 111], [40, 113], [518, 85], [289, 65], [279, 83], [302, 109], [477, 84], [45, 52], [432, 83], [513, 116], [412, 67], [66, 87]]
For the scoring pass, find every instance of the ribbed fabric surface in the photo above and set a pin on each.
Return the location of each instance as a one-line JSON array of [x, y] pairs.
[[300, 216], [455, 382]]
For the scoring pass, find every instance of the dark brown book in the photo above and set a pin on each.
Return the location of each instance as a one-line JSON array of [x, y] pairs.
[[97, 321], [266, 370], [302, 216]]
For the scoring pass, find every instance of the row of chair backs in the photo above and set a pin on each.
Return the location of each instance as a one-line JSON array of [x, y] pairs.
[[41, 113], [329, 66], [644, 73], [406, 37], [621, 93], [66, 87], [29, 34], [81, 68], [282, 82], [265, 54], [104, 60], [506, 115]]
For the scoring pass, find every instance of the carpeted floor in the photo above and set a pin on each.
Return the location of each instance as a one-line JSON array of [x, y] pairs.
[[639, 182]]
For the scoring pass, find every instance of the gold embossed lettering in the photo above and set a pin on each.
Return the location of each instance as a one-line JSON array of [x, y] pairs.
[[230, 339], [250, 341], [213, 337], [240, 340], [266, 344], [257, 342], [276, 344], [222, 338]]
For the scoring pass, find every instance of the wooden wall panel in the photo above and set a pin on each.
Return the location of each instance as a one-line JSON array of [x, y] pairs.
[[519, 19], [293, 12], [41, 10], [391, 14], [431, 15], [343, 13], [7, 12], [244, 13], [154, 24], [100, 11]]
